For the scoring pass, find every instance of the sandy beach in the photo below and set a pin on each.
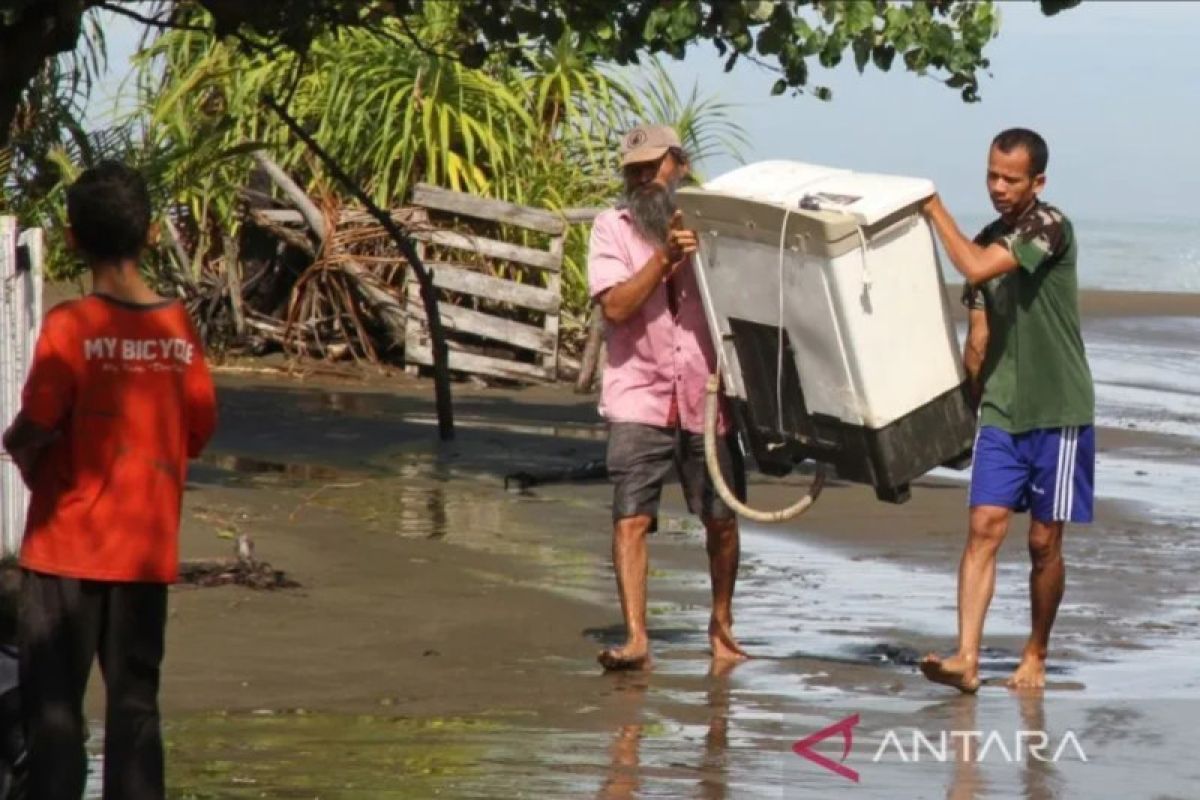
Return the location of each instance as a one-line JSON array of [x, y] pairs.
[[442, 642]]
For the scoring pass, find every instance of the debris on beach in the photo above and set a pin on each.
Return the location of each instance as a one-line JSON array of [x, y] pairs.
[[314, 277], [241, 570], [590, 471]]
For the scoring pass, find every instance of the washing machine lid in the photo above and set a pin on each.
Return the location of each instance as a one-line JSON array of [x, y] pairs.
[[867, 197]]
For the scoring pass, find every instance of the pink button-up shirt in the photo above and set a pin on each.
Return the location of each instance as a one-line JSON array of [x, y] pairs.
[[654, 358]]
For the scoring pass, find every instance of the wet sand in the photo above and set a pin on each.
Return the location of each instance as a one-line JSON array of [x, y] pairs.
[[443, 642]]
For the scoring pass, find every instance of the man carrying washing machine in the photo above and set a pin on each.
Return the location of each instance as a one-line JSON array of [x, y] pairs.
[[660, 355], [1036, 445]]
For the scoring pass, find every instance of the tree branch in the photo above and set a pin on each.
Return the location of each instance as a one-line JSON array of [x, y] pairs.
[[300, 199], [153, 22], [417, 42]]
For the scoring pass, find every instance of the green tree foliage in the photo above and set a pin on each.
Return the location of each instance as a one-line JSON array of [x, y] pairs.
[[543, 135], [941, 37], [502, 97]]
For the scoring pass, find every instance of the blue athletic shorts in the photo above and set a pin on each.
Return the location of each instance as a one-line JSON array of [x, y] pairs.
[[1048, 472]]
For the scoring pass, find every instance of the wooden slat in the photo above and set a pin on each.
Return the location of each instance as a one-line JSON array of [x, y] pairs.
[[491, 248], [404, 217], [415, 334], [480, 365], [579, 216], [466, 320], [487, 208], [459, 278]]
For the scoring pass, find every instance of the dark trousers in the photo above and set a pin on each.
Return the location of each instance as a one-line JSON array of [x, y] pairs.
[[64, 624], [12, 729]]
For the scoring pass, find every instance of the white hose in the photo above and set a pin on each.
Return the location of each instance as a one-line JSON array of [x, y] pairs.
[[711, 400]]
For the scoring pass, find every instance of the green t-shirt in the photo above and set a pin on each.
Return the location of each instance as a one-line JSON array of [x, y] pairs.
[[1035, 371]]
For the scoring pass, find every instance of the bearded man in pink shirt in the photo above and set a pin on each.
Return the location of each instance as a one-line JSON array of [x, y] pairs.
[[660, 354]]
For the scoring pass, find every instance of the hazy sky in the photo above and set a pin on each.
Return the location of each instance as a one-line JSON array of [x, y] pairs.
[[1113, 86]]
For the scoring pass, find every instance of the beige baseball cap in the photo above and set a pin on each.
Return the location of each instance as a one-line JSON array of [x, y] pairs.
[[648, 143]]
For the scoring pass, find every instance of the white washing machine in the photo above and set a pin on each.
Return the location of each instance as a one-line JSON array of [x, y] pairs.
[[834, 276]]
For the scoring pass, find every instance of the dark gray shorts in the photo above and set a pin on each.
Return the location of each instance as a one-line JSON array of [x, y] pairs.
[[640, 456]]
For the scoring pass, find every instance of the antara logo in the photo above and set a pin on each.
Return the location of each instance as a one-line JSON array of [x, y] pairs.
[[971, 746], [846, 729]]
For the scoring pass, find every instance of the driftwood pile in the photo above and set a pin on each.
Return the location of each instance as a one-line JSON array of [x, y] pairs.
[[317, 279]]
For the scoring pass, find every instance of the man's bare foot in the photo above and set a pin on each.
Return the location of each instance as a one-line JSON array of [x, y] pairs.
[[722, 668], [957, 671], [1030, 673], [724, 646], [629, 657]]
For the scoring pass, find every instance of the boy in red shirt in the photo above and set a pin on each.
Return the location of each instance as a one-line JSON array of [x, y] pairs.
[[117, 400]]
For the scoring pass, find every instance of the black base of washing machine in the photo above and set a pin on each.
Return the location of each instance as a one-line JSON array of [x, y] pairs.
[[939, 433]]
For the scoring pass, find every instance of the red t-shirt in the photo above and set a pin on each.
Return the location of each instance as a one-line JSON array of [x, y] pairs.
[[127, 390]]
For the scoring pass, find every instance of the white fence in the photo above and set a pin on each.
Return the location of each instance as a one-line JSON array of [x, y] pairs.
[[20, 317]]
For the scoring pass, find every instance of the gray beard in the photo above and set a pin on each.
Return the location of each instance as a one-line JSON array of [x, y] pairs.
[[651, 207]]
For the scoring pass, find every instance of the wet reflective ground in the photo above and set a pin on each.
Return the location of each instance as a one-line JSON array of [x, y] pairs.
[[836, 611]]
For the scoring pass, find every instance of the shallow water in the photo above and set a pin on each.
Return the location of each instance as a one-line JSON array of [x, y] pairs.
[[709, 736], [1145, 373], [836, 631]]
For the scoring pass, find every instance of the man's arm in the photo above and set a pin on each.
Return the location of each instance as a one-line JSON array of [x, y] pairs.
[[625, 299], [46, 399], [975, 352], [976, 263], [25, 441]]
